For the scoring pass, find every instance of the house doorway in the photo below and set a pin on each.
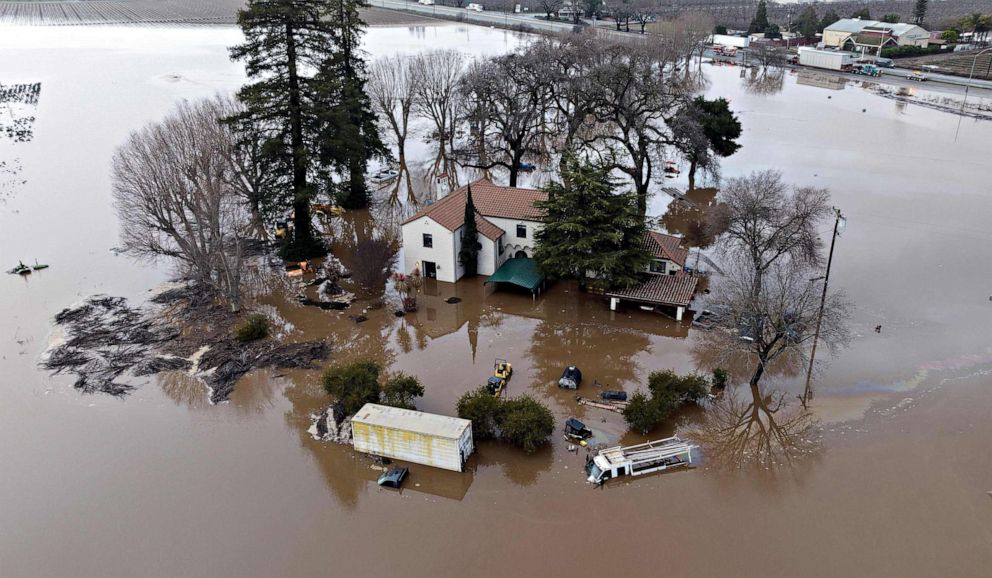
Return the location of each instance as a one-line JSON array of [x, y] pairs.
[[430, 270], [520, 255]]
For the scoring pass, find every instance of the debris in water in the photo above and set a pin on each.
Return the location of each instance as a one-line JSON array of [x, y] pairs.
[[107, 339]]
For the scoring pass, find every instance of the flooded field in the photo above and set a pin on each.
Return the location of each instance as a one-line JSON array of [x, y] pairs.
[[162, 483]]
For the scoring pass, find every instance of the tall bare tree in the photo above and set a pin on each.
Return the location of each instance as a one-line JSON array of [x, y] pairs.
[[175, 194], [638, 95], [762, 221], [776, 317], [393, 89], [508, 96], [438, 74]]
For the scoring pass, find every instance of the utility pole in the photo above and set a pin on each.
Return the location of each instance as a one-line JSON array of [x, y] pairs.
[[808, 391]]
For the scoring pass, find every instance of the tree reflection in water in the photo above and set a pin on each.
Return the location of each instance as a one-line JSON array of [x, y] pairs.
[[760, 429], [764, 80]]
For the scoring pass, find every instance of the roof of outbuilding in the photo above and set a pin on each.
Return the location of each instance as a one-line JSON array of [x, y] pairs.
[[675, 290], [490, 201], [854, 26], [663, 246]]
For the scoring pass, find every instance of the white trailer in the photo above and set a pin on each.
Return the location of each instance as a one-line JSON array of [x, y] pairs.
[[638, 460], [731, 41], [413, 436], [828, 59]]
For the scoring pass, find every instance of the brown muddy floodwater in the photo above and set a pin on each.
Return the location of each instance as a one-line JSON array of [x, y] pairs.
[[164, 484]]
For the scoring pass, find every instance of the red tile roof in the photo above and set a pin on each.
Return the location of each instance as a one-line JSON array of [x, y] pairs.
[[675, 290], [490, 201], [662, 246]]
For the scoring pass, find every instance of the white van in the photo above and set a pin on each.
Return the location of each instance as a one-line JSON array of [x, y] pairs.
[[426, 2], [474, 6]]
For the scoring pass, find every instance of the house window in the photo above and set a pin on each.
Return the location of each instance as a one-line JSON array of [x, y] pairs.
[[521, 231], [658, 266], [501, 245], [428, 240]]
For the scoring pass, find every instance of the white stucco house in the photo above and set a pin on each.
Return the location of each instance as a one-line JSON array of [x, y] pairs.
[[505, 216]]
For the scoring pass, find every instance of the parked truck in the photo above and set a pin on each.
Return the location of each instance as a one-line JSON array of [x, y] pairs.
[[412, 436], [638, 459], [828, 59]]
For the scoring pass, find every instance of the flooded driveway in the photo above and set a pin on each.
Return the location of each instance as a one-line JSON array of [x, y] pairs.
[[162, 483]]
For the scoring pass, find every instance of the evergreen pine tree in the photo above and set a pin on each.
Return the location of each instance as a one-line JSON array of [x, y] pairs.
[[760, 21], [349, 135], [919, 12], [588, 228], [808, 23], [829, 18], [468, 255], [284, 40]]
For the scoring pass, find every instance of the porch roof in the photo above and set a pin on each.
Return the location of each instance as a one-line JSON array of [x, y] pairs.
[[522, 272]]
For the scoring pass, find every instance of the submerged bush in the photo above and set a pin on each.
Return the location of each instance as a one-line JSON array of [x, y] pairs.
[[526, 423], [482, 409], [254, 328], [399, 391], [669, 391], [357, 383], [641, 413], [523, 421]]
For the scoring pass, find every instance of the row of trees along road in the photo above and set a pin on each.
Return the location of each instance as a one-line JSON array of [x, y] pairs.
[[306, 106]]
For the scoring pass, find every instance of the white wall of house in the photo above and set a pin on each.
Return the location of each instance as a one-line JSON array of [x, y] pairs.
[[511, 242], [447, 244], [487, 255], [442, 253], [664, 267]]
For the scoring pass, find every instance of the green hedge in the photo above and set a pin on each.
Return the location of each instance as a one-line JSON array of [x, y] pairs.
[[908, 51]]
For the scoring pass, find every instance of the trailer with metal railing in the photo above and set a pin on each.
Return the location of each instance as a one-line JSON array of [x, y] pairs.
[[638, 459]]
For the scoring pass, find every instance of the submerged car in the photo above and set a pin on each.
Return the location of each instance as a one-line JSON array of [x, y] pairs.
[[394, 477], [613, 395], [571, 378], [576, 430], [385, 176]]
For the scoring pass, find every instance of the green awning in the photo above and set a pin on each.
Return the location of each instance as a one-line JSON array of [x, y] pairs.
[[521, 272]]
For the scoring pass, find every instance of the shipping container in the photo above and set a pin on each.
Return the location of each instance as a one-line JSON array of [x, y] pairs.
[[828, 59], [413, 436]]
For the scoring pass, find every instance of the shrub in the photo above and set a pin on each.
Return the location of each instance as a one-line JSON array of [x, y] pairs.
[[373, 261], [357, 383], [526, 423], [669, 391], [254, 328], [641, 413], [399, 391], [353, 384], [523, 421], [719, 378], [482, 409]]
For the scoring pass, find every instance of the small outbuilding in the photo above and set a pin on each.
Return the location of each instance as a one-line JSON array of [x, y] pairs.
[[413, 436], [669, 291]]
